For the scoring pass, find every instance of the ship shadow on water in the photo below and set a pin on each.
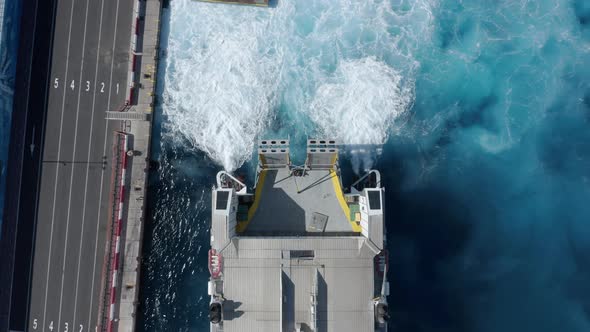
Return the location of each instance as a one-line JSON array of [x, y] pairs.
[[428, 229]]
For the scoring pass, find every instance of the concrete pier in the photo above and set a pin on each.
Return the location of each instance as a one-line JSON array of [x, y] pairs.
[[136, 121]]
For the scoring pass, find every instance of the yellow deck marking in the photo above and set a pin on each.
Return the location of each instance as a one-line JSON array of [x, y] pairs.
[[252, 210], [334, 159], [262, 159], [342, 201]]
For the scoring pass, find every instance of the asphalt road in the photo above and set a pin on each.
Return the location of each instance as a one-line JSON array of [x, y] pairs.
[[88, 77]]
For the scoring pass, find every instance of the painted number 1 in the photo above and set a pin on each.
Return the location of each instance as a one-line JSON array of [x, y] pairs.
[[117, 88]]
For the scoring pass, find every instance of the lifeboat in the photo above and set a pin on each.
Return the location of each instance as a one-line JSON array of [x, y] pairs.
[[215, 263]]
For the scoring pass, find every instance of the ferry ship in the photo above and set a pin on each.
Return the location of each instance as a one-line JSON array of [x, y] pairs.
[[298, 252]]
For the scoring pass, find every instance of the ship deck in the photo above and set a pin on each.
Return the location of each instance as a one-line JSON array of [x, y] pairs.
[[268, 283], [309, 204]]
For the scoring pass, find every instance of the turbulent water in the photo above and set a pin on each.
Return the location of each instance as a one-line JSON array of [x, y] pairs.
[[476, 112]]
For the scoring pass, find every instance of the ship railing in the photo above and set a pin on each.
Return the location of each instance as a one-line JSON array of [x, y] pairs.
[[226, 180], [363, 181]]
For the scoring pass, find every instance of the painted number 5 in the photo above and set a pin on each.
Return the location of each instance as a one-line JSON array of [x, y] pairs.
[[35, 324], [56, 83]]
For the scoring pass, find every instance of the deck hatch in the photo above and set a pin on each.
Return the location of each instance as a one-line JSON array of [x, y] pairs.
[[222, 198], [302, 254], [374, 199]]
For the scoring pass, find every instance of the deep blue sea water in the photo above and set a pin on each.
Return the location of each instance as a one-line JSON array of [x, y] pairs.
[[8, 54], [479, 115]]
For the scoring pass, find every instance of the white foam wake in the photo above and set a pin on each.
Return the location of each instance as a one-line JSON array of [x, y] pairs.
[[359, 105], [347, 66], [356, 65], [360, 102], [221, 78]]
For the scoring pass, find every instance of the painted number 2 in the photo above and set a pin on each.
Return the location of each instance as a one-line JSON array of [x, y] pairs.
[[86, 87]]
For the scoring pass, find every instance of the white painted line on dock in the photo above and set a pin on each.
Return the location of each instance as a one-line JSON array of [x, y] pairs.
[[57, 167], [104, 150]]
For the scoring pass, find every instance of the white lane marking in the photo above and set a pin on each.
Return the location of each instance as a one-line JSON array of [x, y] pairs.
[[104, 150], [87, 170], [39, 170], [63, 105], [61, 294]]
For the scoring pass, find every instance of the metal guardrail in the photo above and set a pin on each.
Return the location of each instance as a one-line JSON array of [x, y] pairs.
[[118, 155], [127, 116], [376, 184]]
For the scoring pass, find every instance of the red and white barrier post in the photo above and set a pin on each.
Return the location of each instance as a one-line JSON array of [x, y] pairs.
[[118, 227]]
